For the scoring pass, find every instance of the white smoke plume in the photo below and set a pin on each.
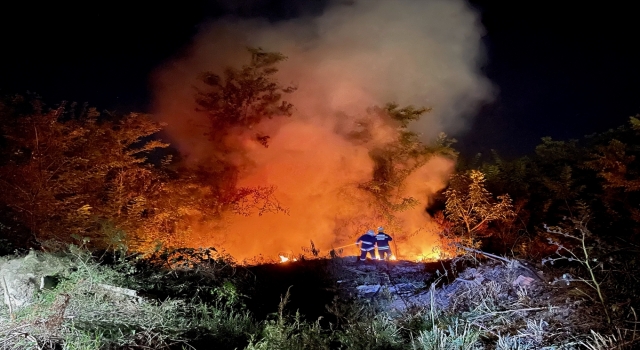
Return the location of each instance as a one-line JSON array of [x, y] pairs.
[[353, 56]]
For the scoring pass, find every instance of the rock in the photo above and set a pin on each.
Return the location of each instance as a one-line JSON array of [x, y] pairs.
[[20, 278], [368, 289], [18, 288], [119, 293], [401, 285], [402, 288], [523, 281]]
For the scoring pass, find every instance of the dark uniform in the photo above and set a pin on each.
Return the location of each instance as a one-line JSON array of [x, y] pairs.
[[382, 240], [367, 245]]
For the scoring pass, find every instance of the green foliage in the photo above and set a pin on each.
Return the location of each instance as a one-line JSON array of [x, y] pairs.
[[243, 97], [600, 171], [395, 161], [77, 339], [597, 341], [459, 335], [552, 189], [114, 237], [291, 334], [376, 332], [406, 114], [557, 177], [635, 122], [546, 183], [443, 146], [99, 312], [508, 176], [285, 332], [208, 274], [227, 294]]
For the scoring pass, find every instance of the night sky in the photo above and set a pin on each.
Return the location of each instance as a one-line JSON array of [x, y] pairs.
[[561, 70]]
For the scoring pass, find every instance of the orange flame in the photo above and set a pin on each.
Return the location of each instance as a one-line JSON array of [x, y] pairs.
[[317, 158], [431, 257]]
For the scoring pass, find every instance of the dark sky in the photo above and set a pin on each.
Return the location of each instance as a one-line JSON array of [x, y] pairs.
[[562, 70]]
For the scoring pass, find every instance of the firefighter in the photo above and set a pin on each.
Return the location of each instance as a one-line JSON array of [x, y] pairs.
[[382, 241], [367, 245]]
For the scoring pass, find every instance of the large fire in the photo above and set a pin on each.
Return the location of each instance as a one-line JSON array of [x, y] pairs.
[[319, 187], [313, 159]]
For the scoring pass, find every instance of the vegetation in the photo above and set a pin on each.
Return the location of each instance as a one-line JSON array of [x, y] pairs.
[[116, 302], [241, 98], [395, 161], [92, 308], [74, 177], [471, 208]]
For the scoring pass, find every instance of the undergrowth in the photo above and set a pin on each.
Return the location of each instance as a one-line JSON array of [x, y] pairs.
[[198, 299]]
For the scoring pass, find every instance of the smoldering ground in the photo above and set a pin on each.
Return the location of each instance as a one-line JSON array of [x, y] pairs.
[[349, 58]]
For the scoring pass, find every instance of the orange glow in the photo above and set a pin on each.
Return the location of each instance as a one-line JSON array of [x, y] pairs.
[[319, 187], [343, 63], [423, 258], [318, 157], [283, 259]]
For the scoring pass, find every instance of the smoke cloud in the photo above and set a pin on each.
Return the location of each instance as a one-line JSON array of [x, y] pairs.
[[352, 57]]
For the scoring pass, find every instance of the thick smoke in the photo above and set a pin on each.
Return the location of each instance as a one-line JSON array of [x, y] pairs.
[[352, 57]]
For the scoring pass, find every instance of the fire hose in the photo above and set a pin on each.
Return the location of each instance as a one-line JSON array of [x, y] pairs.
[[332, 252], [344, 246]]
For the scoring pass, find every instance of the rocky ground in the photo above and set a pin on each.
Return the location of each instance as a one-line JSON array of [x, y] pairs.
[[511, 301]]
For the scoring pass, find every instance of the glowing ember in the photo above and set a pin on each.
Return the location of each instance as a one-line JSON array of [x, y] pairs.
[[393, 257], [283, 259], [431, 257]]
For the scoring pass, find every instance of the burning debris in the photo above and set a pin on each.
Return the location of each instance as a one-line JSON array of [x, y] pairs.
[[284, 259]]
